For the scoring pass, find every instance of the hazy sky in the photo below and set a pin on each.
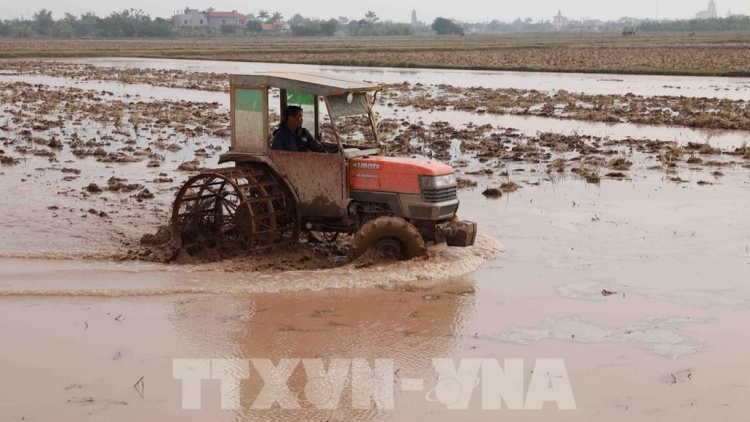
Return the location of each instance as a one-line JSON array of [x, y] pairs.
[[396, 10]]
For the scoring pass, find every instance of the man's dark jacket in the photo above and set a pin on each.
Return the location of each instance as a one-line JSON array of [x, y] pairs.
[[301, 140]]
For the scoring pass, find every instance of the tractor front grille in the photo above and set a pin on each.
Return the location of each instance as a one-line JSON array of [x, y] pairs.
[[439, 194]]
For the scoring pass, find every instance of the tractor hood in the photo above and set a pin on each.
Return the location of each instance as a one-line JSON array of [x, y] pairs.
[[392, 174]]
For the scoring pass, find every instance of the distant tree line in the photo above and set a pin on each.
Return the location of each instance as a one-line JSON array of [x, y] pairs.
[[128, 23], [443, 26], [135, 23], [315, 27], [255, 22], [370, 25], [518, 25], [731, 23]]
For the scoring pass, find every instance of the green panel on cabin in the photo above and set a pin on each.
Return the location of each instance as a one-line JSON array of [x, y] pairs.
[[299, 98], [248, 99]]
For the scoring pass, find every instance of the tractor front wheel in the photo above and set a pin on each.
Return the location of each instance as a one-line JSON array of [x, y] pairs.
[[391, 237]]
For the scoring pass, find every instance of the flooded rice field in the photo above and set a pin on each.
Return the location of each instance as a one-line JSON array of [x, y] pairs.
[[592, 84], [620, 245]]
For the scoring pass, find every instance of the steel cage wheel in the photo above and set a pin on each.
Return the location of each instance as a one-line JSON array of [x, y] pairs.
[[229, 212]]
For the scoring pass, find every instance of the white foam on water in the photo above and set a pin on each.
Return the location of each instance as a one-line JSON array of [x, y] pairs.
[[63, 256], [221, 278]]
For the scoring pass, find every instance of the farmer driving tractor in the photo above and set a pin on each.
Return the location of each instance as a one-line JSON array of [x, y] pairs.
[[292, 136]]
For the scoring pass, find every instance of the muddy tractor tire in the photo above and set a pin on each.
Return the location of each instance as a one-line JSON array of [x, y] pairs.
[[230, 212], [390, 237]]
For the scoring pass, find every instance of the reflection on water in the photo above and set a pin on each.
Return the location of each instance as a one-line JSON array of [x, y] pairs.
[[102, 347], [407, 328]]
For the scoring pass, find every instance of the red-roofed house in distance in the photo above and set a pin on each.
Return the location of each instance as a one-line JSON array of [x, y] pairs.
[[226, 21], [276, 27]]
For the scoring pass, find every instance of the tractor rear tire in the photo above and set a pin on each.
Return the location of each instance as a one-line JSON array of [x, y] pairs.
[[391, 237], [234, 211]]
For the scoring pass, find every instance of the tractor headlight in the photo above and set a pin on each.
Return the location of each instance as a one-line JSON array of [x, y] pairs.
[[437, 182]]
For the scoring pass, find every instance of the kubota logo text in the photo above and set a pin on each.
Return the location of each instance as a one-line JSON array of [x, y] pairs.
[[366, 166]]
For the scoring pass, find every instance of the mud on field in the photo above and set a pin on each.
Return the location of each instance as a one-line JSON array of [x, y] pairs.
[[113, 161], [712, 113], [693, 112]]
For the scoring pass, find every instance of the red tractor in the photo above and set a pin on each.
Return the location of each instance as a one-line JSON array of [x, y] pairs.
[[395, 205]]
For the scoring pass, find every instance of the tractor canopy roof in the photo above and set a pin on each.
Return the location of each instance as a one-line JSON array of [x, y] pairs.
[[312, 83]]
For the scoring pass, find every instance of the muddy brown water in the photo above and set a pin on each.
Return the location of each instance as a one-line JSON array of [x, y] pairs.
[[669, 343]]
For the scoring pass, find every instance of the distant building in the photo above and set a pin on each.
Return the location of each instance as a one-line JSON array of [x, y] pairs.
[[559, 21], [589, 25], [223, 21], [414, 21], [278, 27], [191, 18], [213, 20], [708, 14]]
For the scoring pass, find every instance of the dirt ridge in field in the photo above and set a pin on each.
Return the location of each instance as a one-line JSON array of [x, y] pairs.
[[725, 54]]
